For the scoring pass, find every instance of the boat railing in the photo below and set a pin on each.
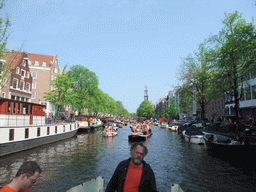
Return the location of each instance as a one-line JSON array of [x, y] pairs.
[[20, 120]]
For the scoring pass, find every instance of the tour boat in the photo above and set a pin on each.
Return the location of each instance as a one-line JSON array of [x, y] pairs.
[[22, 126], [193, 135]]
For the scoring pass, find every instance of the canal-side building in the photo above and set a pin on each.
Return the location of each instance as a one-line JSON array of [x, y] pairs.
[[44, 69], [18, 80]]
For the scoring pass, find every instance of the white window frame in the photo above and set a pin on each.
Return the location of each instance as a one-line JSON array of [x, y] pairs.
[[22, 88], [44, 64], [28, 87], [29, 62], [22, 70], [18, 70], [33, 95], [36, 63], [24, 63], [33, 85], [34, 72], [3, 94], [17, 83], [28, 73]]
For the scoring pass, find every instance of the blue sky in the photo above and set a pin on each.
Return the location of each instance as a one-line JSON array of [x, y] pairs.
[[127, 43]]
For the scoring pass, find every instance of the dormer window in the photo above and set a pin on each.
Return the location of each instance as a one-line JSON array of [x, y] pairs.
[[24, 62], [29, 62], [36, 63], [44, 64]]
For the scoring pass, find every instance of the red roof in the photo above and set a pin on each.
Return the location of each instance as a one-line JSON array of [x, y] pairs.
[[14, 58], [40, 58]]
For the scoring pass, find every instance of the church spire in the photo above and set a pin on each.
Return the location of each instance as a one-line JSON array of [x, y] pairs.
[[146, 93]]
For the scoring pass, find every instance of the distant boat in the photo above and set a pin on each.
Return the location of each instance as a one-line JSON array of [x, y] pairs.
[[138, 137]]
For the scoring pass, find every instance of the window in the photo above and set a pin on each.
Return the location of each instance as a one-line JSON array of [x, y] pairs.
[[23, 73], [34, 74], [1, 65], [21, 85], [33, 85], [28, 87], [24, 62], [11, 135], [44, 64], [36, 63], [56, 129], [29, 62], [48, 130], [55, 70], [28, 74], [3, 94], [26, 133], [18, 70], [254, 92], [38, 132], [33, 96], [15, 83]]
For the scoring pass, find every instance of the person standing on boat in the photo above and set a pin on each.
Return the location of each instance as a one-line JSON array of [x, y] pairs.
[[25, 178], [133, 174]]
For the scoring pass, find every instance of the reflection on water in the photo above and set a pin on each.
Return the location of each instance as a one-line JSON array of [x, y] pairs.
[[73, 161]]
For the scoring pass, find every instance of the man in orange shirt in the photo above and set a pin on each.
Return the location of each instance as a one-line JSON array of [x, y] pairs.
[[25, 178], [133, 174]]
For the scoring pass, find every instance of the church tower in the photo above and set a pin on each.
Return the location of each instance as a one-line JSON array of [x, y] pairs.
[[146, 93]]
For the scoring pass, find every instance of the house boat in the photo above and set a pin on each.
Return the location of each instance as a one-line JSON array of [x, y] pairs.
[[22, 126]]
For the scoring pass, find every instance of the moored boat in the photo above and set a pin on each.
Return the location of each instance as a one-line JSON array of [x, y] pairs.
[[23, 127], [174, 127], [164, 124], [193, 135]]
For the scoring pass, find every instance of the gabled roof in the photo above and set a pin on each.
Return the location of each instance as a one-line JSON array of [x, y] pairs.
[[14, 58], [40, 58]]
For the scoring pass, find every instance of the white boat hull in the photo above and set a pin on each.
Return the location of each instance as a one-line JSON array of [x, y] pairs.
[[195, 139], [15, 139], [174, 127]]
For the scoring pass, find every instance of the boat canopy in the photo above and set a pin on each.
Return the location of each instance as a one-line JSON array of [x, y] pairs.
[[193, 131]]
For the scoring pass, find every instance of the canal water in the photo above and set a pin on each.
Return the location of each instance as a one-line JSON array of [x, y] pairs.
[[73, 161]]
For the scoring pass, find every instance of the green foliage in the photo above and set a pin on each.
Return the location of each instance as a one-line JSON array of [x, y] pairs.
[[145, 109], [85, 87], [62, 93], [233, 56], [185, 99], [4, 25]]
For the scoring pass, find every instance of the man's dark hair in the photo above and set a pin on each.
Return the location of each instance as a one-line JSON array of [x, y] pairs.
[[134, 145], [29, 168]]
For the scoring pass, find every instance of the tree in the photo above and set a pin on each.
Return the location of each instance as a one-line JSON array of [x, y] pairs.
[[85, 86], [4, 66], [145, 109], [185, 99], [62, 93], [196, 73], [233, 56]]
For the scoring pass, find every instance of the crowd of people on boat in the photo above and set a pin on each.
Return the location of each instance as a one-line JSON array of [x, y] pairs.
[[139, 127], [110, 129]]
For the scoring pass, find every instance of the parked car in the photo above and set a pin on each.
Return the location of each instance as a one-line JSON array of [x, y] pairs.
[[201, 123]]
